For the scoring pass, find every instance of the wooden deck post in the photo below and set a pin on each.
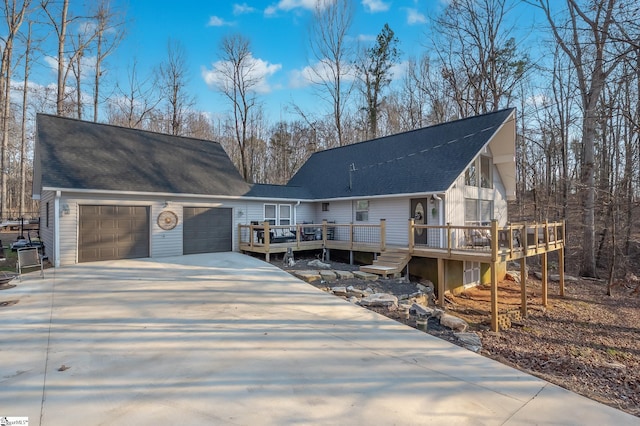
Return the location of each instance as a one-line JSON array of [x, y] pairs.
[[545, 281], [494, 297], [324, 232], [441, 285], [267, 238], [449, 238], [383, 234], [494, 276], [523, 287], [561, 262], [412, 236]]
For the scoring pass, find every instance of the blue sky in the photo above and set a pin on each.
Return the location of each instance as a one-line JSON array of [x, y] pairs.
[[277, 30]]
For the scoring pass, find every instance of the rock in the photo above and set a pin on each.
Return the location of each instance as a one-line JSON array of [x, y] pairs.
[[513, 276], [555, 277], [353, 299], [328, 276], [453, 323], [420, 311], [438, 313], [317, 264], [308, 276], [365, 276], [426, 287], [356, 292], [344, 275], [339, 291], [380, 299], [369, 290], [469, 340]]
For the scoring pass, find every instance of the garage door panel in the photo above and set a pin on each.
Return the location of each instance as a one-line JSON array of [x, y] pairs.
[[207, 230], [113, 232]]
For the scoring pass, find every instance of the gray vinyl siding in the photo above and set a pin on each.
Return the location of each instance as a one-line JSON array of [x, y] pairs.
[[46, 232]]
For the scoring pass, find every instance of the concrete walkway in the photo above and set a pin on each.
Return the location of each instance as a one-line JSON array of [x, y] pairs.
[[228, 339]]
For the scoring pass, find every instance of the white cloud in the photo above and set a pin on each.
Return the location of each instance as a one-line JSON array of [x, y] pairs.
[[414, 17], [316, 73], [240, 9], [216, 21], [255, 69], [373, 6], [288, 5], [367, 38]]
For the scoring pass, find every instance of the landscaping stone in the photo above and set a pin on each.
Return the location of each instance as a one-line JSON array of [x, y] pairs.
[[454, 323], [339, 291], [555, 277], [318, 264], [365, 276], [328, 275], [308, 276], [426, 287], [353, 299], [344, 275], [469, 340], [420, 311], [357, 292], [380, 299], [513, 276]]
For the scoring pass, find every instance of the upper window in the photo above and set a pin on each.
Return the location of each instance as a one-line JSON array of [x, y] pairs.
[[285, 214], [362, 210], [325, 207], [270, 215], [479, 173]]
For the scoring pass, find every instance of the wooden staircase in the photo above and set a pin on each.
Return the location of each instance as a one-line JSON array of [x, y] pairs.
[[390, 262]]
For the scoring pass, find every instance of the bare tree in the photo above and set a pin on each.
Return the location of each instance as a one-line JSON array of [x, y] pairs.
[[14, 17], [374, 71], [109, 32], [133, 102], [238, 80], [23, 135], [333, 57], [594, 55], [480, 59], [172, 81]]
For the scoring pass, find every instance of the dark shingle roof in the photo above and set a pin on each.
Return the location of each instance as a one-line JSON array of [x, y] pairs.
[[419, 161], [84, 155], [260, 190]]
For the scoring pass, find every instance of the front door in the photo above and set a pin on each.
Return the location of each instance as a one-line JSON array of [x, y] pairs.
[[419, 215]]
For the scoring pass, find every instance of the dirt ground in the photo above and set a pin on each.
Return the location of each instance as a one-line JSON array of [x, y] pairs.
[[586, 342]]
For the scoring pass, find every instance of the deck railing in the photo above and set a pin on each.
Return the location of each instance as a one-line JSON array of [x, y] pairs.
[[311, 235], [507, 242]]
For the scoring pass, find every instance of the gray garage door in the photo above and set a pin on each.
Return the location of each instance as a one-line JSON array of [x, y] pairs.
[[207, 230], [113, 232]]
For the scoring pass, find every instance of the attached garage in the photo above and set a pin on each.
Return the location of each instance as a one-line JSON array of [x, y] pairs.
[[113, 232], [207, 230]]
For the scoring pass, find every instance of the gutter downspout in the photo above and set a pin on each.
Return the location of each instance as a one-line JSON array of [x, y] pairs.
[[295, 213], [440, 216], [56, 230]]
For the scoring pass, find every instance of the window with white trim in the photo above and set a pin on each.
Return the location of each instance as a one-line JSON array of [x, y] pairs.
[[270, 214], [278, 214], [285, 214], [362, 210], [478, 212]]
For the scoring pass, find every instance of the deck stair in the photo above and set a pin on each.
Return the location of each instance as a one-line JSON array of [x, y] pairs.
[[389, 262]]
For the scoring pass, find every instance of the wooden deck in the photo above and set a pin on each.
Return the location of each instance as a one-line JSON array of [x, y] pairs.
[[485, 244]]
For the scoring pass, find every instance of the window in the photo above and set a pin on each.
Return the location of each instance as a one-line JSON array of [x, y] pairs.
[[471, 175], [486, 180], [285, 214], [278, 214], [325, 207], [478, 212], [362, 211], [270, 214]]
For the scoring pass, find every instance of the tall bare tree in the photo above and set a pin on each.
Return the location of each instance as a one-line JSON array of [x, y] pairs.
[[172, 80], [237, 81], [374, 71], [14, 17], [134, 101], [591, 44], [333, 57]]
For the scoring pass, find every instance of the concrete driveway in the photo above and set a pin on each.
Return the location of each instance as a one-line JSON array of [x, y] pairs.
[[228, 339]]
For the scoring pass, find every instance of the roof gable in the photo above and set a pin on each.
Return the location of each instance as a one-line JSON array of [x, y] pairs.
[[75, 154], [419, 161]]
